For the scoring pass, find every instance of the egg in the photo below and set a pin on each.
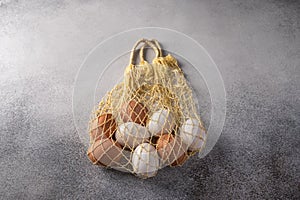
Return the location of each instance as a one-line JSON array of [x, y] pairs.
[[95, 130], [192, 134], [105, 152], [170, 148], [181, 160], [108, 124], [161, 121], [135, 112], [145, 160], [131, 134]]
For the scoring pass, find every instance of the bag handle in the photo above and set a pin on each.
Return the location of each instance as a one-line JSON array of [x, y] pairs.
[[154, 42], [158, 47], [146, 42]]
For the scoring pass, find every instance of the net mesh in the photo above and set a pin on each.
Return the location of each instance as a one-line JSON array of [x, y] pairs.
[[147, 121]]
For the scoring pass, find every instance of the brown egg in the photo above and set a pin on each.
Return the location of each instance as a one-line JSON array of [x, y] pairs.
[[135, 112], [170, 148], [108, 124], [105, 152], [96, 131], [181, 160]]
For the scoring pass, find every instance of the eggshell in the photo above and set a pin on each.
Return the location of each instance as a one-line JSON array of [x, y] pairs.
[[135, 112], [131, 134], [170, 148], [192, 134], [108, 124], [181, 160], [161, 121], [95, 130], [105, 152], [145, 160]]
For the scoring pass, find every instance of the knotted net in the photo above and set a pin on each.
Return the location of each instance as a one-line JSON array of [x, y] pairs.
[[147, 121]]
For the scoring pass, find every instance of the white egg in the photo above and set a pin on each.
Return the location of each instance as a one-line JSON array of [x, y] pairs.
[[145, 160], [131, 134], [161, 121], [192, 134]]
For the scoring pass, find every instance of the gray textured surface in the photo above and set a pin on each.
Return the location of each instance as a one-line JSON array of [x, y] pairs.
[[255, 45]]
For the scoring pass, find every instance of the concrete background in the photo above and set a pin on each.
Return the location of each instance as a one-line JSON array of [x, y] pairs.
[[255, 45]]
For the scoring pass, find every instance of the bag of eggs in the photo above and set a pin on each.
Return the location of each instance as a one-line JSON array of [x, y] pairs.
[[149, 120]]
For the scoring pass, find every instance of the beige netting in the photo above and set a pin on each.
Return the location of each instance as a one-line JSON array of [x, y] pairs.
[[149, 120]]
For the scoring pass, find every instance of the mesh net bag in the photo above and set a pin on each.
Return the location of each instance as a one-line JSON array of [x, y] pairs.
[[147, 121]]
